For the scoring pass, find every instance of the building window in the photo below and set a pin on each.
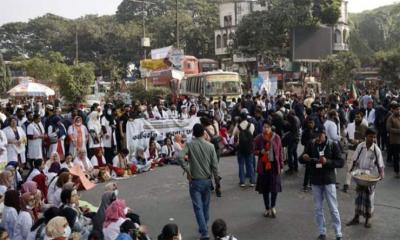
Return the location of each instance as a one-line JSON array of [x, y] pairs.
[[338, 36], [228, 21], [239, 8], [218, 41], [345, 36], [224, 40]]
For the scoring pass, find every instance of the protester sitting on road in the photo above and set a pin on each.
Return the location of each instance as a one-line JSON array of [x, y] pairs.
[[10, 212], [37, 175], [127, 231], [106, 200], [170, 232], [54, 193], [38, 230], [178, 143], [68, 162], [220, 230], [141, 162], [167, 152], [121, 166], [114, 217], [86, 166], [25, 218], [152, 154]]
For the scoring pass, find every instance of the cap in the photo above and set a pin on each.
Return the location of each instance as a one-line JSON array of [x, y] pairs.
[[49, 106]]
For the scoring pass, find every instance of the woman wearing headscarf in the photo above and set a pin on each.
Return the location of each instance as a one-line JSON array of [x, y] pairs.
[[178, 144], [38, 230], [31, 187], [141, 162], [108, 125], [16, 139], [57, 134], [86, 166], [170, 232], [54, 193], [58, 229], [70, 199], [98, 219], [17, 179], [39, 177], [25, 218], [10, 212], [114, 217], [78, 136], [6, 179], [95, 133]]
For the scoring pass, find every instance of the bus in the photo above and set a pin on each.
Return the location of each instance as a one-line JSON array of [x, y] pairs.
[[213, 84]]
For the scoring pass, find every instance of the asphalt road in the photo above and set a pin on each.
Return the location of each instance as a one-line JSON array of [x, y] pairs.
[[161, 196]]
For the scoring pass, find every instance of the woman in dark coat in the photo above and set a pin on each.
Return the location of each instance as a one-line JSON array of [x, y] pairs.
[[268, 148]]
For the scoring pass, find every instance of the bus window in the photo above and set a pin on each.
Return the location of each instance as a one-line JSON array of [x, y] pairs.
[[189, 88], [197, 85], [201, 86]]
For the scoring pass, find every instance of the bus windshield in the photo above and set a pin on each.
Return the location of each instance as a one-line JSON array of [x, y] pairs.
[[223, 87]]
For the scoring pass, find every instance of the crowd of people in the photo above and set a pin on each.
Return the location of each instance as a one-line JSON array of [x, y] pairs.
[[43, 144]]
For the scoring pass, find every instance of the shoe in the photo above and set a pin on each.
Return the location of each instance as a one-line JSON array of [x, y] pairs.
[[273, 213], [367, 223], [321, 237], [345, 188], [242, 185], [252, 185], [305, 189], [338, 238], [267, 213], [354, 221]]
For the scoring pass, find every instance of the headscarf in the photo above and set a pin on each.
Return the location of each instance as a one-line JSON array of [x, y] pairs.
[[61, 128], [55, 167], [29, 187], [98, 219], [70, 215], [110, 186], [114, 212], [5, 178], [99, 159], [55, 227], [25, 202]]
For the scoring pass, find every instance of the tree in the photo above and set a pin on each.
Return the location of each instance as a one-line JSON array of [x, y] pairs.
[[76, 81], [389, 65], [337, 70], [5, 77]]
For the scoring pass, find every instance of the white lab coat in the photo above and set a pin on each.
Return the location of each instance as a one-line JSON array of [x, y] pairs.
[[3, 146], [9, 220], [109, 138], [12, 149], [35, 146], [23, 227]]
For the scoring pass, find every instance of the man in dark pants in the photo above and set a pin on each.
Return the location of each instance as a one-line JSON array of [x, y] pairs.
[[202, 164], [393, 128]]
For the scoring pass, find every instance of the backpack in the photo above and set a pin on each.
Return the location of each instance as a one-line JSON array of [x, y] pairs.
[[245, 140]]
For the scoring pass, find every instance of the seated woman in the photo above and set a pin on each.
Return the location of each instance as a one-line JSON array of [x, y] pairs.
[[38, 230], [68, 162], [54, 158], [86, 166], [99, 162], [25, 218], [114, 217], [140, 161], [168, 153], [17, 179], [98, 219], [54, 193], [178, 143], [121, 166], [152, 153], [70, 201], [10, 212], [6, 179], [31, 187], [39, 177]]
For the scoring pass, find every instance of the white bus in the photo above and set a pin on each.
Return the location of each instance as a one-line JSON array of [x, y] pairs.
[[212, 84]]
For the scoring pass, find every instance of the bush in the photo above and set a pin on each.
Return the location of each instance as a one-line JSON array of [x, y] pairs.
[[139, 93]]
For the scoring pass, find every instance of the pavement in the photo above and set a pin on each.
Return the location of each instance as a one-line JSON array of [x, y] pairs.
[[162, 196]]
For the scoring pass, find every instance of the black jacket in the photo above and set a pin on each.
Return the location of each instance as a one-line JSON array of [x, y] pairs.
[[325, 175]]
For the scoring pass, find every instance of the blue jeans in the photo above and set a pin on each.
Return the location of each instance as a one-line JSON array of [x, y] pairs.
[[200, 192], [329, 192], [248, 161]]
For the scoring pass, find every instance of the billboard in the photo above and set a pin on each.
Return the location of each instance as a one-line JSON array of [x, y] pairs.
[[311, 44]]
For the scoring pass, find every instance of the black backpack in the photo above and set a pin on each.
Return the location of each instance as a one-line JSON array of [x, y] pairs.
[[245, 140]]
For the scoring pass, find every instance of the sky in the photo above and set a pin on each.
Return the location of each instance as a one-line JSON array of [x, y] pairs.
[[23, 10]]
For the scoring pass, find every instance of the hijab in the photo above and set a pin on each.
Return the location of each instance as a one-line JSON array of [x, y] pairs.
[[114, 212], [5, 178], [12, 199], [29, 187], [106, 200], [78, 128], [55, 227], [55, 167], [94, 122]]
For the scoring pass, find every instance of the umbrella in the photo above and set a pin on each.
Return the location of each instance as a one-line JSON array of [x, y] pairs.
[[31, 89]]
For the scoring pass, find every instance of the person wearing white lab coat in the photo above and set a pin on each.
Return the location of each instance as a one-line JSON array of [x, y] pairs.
[[3, 147], [95, 133], [35, 133], [78, 135], [57, 134], [109, 139], [16, 140]]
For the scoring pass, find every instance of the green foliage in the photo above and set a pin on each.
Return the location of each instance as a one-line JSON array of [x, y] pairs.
[[337, 70], [138, 92], [75, 81], [5, 77], [389, 65], [268, 32]]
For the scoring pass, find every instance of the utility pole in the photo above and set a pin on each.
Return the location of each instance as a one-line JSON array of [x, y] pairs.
[[177, 25]]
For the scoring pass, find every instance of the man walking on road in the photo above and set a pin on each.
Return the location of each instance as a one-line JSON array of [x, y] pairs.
[[202, 164], [244, 133], [324, 156]]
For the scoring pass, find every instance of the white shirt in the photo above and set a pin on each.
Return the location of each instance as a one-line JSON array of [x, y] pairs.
[[332, 131], [94, 161], [78, 162], [35, 145], [3, 146], [109, 137], [111, 231], [23, 227], [367, 158], [9, 220], [370, 117], [51, 191]]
